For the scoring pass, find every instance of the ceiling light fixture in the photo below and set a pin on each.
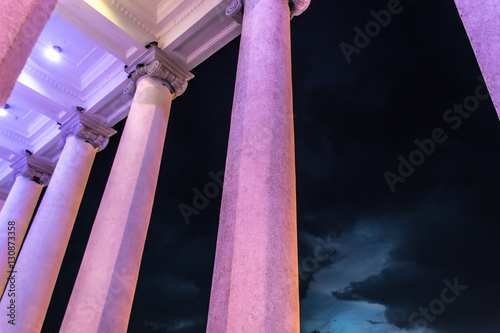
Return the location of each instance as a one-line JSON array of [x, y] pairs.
[[3, 111], [54, 53]]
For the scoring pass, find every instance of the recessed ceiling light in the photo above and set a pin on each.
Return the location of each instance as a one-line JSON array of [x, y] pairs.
[[3, 111], [54, 53]]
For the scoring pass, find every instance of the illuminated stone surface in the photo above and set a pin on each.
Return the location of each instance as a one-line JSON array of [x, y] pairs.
[[30, 177], [102, 297], [482, 22], [255, 281], [20, 27], [43, 250]]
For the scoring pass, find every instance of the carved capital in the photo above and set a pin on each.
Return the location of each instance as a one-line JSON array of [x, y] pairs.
[[297, 7], [235, 10], [87, 129], [157, 64], [33, 169]]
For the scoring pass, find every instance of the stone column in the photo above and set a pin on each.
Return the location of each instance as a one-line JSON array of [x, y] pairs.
[[20, 27], [482, 22], [102, 297], [255, 279], [30, 176], [43, 250]]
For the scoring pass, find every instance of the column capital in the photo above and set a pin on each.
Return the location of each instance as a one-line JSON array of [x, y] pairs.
[[157, 64], [297, 7], [87, 129], [33, 169], [235, 8]]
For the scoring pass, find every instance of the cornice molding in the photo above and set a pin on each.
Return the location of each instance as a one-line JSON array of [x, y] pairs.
[[133, 18], [181, 18], [11, 135], [41, 76], [165, 8]]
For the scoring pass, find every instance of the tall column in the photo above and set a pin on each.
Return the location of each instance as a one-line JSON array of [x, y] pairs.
[[43, 250], [30, 176], [102, 297], [482, 22], [255, 279], [20, 27]]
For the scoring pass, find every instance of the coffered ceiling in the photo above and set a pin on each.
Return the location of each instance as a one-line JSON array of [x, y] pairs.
[[97, 38]]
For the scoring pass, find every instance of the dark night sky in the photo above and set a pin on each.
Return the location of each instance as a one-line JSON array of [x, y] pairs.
[[380, 255]]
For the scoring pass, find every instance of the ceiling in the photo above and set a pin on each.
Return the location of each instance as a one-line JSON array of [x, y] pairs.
[[97, 39]]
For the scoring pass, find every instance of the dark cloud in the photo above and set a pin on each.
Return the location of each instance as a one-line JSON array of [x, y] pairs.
[[443, 239]]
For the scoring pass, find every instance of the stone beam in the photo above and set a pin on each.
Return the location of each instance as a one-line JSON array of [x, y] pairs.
[[21, 24]]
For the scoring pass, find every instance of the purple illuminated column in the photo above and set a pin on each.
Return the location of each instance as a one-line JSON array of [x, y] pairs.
[[255, 280], [102, 297], [482, 22], [30, 176], [40, 259], [20, 27]]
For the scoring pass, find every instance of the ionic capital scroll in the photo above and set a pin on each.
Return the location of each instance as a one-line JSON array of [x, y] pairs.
[[297, 7]]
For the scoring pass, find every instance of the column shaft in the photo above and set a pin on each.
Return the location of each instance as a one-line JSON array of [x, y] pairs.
[[482, 22], [104, 290], [255, 280], [19, 208], [30, 176], [19, 31], [41, 256]]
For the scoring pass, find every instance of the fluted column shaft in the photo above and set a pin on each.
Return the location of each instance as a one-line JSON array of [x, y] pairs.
[[40, 259], [102, 297], [255, 280]]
